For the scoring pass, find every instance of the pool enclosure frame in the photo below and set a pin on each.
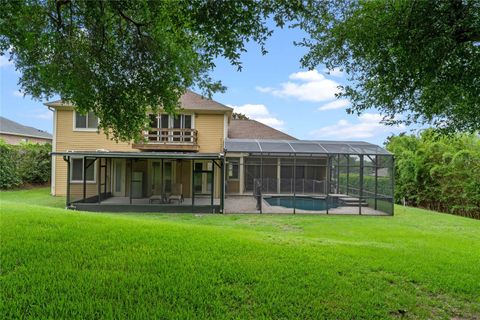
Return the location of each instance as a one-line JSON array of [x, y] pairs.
[[346, 177], [359, 176], [103, 181]]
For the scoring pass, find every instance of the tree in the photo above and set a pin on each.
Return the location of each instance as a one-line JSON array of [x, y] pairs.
[[438, 172], [239, 116], [120, 58], [415, 61]]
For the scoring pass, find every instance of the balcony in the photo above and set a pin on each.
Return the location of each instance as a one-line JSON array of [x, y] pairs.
[[169, 139]]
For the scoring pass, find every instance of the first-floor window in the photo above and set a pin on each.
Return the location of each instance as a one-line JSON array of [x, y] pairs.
[[77, 170], [233, 169]]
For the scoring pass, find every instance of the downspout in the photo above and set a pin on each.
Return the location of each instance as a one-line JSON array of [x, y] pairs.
[[54, 149]]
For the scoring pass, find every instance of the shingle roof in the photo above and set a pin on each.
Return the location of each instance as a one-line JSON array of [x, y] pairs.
[[189, 101], [252, 129], [11, 127], [193, 101]]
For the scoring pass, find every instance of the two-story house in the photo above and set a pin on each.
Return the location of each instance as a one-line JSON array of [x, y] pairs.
[[202, 160]]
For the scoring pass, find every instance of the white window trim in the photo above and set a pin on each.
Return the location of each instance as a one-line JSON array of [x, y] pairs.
[[83, 129], [237, 161], [171, 119], [81, 181]]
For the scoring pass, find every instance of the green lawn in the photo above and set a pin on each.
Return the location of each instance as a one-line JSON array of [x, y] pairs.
[[66, 264]]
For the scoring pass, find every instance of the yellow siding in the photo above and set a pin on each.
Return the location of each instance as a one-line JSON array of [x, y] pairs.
[[210, 139], [210, 132], [68, 139]]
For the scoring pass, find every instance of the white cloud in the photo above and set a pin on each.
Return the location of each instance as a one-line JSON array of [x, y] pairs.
[[252, 110], [264, 89], [260, 113], [18, 93], [368, 126], [305, 86], [336, 104], [4, 62], [310, 75]]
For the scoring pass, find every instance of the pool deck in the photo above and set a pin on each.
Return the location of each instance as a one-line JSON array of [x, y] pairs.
[[247, 204]]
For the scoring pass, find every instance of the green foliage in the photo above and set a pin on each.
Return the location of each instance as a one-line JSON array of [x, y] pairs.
[[119, 58], [384, 185], [35, 163], [27, 163], [416, 59], [239, 116], [9, 177], [438, 172], [67, 264]]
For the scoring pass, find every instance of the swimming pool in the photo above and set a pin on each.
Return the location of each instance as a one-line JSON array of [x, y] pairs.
[[302, 203]]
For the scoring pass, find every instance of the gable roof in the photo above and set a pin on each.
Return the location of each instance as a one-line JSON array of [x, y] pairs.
[[189, 101], [252, 129], [193, 101], [11, 127]]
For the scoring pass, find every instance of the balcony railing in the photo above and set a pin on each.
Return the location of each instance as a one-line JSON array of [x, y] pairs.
[[169, 139]]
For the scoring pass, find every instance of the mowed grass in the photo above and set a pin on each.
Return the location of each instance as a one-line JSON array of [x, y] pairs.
[[66, 264]]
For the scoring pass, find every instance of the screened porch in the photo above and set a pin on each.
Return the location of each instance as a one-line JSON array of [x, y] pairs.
[[144, 181]]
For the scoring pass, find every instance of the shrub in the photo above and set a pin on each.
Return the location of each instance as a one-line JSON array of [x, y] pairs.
[[23, 164], [35, 163], [9, 177], [441, 173]]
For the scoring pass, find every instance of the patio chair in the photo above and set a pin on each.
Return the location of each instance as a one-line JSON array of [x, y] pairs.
[[177, 195], [160, 198]]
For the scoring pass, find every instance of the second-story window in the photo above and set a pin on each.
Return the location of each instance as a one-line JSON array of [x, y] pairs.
[[87, 121], [168, 128]]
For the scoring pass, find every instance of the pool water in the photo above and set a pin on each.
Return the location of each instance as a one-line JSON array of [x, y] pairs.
[[302, 203]]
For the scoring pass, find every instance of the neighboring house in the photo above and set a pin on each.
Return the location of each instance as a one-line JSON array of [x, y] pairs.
[[201, 160], [15, 133]]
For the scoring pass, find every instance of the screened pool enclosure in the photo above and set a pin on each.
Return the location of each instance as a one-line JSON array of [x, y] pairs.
[[294, 176]]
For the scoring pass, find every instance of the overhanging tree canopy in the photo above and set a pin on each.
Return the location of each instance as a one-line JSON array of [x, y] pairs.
[[119, 58], [419, 60]]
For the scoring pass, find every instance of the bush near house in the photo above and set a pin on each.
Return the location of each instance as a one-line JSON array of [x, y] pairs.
[[28, 163], [441, 173]]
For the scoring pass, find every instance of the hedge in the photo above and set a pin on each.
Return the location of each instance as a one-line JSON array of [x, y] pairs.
[[27, 163]]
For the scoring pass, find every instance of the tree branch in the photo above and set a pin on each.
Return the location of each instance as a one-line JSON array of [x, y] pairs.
[[59, 4], [135, 23]]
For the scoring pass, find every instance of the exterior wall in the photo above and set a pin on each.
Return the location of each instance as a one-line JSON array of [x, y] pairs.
[[15, 140], [68, 139], [210, 139], [210, 132]]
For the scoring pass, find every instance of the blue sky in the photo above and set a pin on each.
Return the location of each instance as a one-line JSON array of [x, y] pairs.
[[271, 88]]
